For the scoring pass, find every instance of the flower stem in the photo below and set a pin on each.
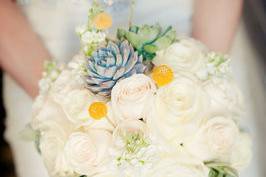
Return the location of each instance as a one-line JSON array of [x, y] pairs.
[[131, 15]]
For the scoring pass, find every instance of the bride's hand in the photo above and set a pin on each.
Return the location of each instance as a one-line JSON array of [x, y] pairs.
[[21, 51], [215, 22]]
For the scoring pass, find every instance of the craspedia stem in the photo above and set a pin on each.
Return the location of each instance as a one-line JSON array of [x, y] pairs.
[[132, 10]]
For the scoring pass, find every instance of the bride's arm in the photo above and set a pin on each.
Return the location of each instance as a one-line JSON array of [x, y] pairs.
[[215, 22], [21, 51]]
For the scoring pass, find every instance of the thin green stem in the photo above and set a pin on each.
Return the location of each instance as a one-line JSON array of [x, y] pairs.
[[131, 15]]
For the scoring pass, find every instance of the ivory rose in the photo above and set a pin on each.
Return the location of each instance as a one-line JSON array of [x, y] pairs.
[[87, 152], [132, 97], [225, 97], [179, 109], [184, 55], [215, 140], [75, 100], [54, 129]]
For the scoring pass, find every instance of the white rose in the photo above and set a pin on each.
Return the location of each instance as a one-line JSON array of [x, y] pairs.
[[171, 167], [129, 126], [66, 82], [226, 98], [215, 140], [76, 104], [51, 145], [186, 55], [179, 109], [132, 97], [87, 152], [242, 152], [54, 129], [51, 112], [75, 100]]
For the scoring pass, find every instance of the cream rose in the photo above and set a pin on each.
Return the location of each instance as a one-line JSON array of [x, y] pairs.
[[186, 55], [76, 104], [74, 100], [129, 126], [215, 140], [54, 130], [132, 97], [51, 145], [87, 153], [226, 98], [51, 113], [179, 109]]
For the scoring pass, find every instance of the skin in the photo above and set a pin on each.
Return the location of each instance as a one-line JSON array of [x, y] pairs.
[[215, 22], [22, 52]]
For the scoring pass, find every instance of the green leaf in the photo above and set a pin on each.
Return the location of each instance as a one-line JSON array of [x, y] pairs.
[[149, 33], [95, 9], [219, 169], [166, 40], [121, 33], [151, 48], [148, 39], [134, 29], [136, 40]]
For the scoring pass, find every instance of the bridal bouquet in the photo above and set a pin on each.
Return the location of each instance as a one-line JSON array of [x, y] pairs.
[[143, 104]]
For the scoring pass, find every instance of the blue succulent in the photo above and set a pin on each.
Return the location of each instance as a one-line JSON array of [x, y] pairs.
[[110, 64]]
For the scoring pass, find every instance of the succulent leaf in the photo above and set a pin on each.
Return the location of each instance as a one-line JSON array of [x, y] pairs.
[[109, 64], [147, 40]]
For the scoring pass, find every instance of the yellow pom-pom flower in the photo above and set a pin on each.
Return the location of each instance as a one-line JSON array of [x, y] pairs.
[[103, 21], [162, 75], [98, 110]]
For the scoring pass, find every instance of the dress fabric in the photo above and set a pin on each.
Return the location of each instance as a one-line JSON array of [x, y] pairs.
[[55, 22]]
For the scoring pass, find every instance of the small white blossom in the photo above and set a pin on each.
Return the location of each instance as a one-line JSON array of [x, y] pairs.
[[217, 65], [81, 29], [90, 37]]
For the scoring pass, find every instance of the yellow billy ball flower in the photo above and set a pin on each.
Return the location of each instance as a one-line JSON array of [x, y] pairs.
[[162, 75], [103, 21], [98, 110]]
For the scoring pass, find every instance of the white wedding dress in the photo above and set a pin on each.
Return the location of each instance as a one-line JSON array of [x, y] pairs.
[[55, 22]]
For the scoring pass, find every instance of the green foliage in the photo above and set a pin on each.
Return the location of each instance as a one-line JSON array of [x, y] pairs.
[[134, 142], [51, 70], [29, 134], [95, 9], [148, 39], [217, 59], [218, 169], [37, 141]]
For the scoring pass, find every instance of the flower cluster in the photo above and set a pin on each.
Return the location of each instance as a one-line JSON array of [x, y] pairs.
[[144, 105]]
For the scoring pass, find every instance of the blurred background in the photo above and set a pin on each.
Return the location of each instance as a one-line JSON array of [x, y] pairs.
[[252, 32]]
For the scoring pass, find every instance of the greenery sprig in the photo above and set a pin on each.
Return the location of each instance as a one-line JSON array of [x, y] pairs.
[[219, 169]]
